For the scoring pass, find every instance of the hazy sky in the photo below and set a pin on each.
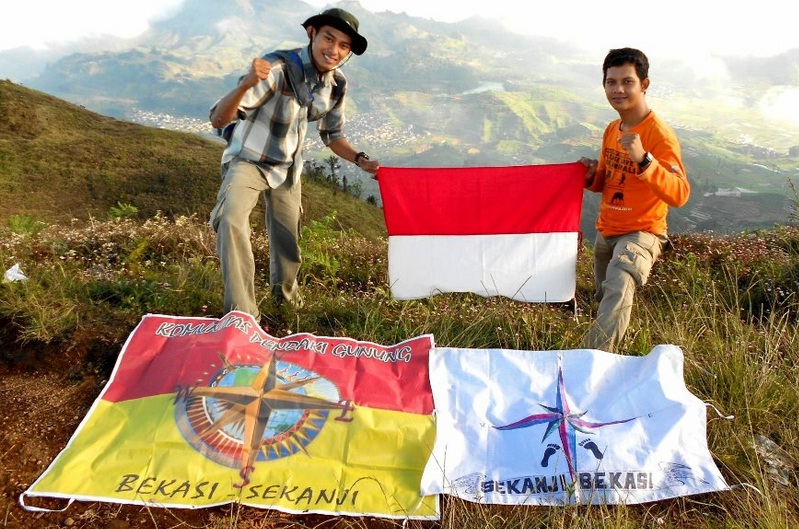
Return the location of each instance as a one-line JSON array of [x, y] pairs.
[[695, 28], [736, 27], [37, 23]]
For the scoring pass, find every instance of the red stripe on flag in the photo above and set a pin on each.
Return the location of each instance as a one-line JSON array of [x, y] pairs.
[[482, 200], [168, 355]]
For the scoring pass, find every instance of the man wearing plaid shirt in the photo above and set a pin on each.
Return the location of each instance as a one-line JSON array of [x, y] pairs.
[[271, 107]]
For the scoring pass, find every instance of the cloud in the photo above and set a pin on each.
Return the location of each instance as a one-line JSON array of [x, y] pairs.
[[679, 29], [42, 23], [781, 103]]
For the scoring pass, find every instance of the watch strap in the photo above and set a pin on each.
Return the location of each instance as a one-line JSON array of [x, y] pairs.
[[643, 164], [358, 157]]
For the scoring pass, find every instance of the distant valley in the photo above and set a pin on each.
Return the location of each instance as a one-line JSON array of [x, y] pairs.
[[465, 94]]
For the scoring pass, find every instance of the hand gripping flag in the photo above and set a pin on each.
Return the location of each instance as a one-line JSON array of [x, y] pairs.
[[201, 412], [493, 231], [566, 427]]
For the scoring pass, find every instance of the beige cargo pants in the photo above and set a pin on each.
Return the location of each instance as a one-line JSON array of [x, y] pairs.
[[243, 184], [621, 264]]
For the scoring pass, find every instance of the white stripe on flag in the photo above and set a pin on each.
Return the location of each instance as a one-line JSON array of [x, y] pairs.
[[532, 267]]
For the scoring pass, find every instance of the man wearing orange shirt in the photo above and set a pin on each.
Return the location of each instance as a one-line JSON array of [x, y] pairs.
[[640, 174]]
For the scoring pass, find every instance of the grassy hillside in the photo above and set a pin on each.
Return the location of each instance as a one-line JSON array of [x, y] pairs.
[[729, 302], [59, 161]]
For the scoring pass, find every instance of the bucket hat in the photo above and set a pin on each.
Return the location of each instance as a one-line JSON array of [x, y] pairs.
[[343, 21]]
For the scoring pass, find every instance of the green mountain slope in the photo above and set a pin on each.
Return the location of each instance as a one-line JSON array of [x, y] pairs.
[[59, 161]]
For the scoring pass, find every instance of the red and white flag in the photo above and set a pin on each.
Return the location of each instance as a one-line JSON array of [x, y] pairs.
[[495, 231]]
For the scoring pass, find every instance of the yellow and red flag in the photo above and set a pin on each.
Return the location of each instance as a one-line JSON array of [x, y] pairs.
[[201, 412]]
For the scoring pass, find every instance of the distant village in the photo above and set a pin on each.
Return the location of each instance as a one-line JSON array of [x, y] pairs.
[[376, 131], [373, 129]]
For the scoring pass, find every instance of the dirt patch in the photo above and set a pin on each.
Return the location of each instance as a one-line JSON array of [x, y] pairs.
[[45, 391]]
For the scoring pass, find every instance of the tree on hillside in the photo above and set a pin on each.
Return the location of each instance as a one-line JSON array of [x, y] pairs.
[[334, 165], [312, 170]]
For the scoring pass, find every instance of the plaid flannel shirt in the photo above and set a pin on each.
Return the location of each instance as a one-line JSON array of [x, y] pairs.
[[272, 125]]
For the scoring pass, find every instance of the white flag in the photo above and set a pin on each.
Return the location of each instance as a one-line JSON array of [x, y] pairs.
[[566, 427]]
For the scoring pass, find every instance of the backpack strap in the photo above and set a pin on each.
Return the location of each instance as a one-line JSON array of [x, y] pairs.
[[295, 75]]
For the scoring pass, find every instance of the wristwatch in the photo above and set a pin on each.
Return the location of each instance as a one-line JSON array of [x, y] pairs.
[[358, 157], [643, 164]]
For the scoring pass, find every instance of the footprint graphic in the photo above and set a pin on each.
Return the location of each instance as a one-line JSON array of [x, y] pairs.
[[549, 452], [588, 444]]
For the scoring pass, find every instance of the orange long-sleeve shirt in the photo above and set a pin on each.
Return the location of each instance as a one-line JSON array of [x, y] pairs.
[[639, 202]]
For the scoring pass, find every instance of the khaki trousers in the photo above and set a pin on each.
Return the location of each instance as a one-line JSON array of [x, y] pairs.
[[243, 184], [621, 264]]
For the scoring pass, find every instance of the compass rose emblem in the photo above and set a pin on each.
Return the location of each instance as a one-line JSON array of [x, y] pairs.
[[249, 412], [561, 418]]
